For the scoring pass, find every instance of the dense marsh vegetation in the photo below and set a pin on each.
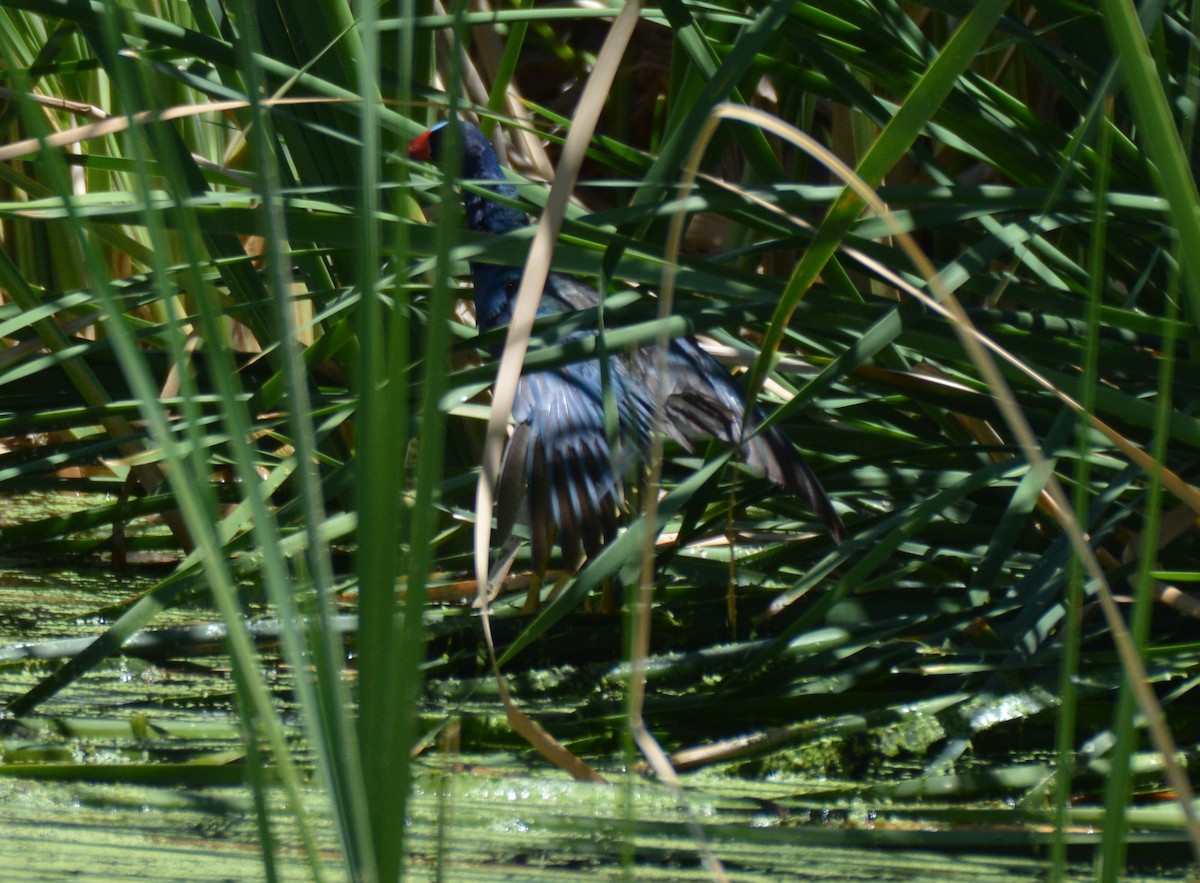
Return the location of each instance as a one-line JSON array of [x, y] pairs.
[[231, 325]]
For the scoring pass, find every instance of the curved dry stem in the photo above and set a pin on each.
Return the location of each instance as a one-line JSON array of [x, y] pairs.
[[533, 279]]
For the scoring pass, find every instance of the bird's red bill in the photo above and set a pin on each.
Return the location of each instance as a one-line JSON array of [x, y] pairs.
[[418, 148]]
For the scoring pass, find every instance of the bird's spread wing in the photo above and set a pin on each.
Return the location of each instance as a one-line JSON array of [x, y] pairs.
[[559, 464], [704, 400], [559, 469]]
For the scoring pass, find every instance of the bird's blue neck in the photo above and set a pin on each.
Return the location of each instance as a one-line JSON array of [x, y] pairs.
[[488, 216], [480, 164], [495, 294]]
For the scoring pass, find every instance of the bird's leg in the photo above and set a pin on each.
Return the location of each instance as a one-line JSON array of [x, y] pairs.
[[608, 599], [533, 596], [538, 563]]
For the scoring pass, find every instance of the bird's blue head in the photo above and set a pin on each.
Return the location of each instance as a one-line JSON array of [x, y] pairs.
[[479, 163]]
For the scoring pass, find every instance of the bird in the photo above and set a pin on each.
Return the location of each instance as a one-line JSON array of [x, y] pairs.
[[559, 469]]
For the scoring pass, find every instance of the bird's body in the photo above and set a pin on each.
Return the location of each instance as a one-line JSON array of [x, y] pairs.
[[559, 461]]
